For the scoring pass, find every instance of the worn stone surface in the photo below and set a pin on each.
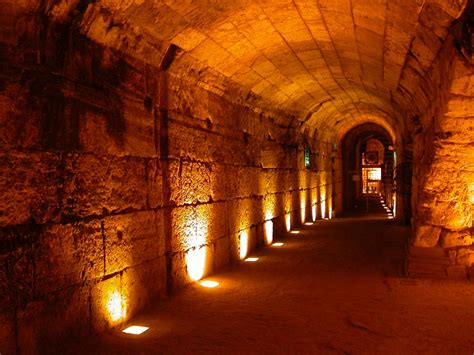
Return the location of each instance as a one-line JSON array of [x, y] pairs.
[[121, 156]]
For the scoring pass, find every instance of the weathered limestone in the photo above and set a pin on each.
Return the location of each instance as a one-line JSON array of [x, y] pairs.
[[118, 177], [144, 143], [442, 194]]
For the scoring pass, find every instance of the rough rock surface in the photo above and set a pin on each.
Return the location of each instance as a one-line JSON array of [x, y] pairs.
[[137, 136]]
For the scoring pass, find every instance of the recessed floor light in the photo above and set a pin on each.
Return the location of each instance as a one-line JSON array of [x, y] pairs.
[[252, 260], [135, 330], [295, 232], [309, 223], [278, 244], [209, 283]]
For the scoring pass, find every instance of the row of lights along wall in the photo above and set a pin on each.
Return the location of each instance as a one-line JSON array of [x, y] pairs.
[[196, 257]]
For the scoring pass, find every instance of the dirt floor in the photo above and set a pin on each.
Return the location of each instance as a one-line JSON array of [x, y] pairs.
[[334, 288]]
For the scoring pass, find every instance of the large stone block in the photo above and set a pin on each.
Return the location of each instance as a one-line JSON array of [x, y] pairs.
[[465, 256], [155, 189], [463, 80], [29, 187], [19, 121], [99, 185], [188, 100], [426, 236], [220, 182], [222, 252], [66, 315], [215, 217], [194, 183], [450, 239], [129, 130], [243, 213], [460, 106], [108, 307], [68, 255], [144, 284], [191, 265], [132, 239]]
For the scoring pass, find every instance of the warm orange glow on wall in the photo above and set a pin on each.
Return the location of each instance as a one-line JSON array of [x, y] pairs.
[[196, 263], [196, 231], [268, 225], [244, 244], [288, 221], [323, 207], [116, 306], [303, 206]]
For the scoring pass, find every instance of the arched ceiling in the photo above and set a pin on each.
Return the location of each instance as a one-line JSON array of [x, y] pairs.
[[332, 63]]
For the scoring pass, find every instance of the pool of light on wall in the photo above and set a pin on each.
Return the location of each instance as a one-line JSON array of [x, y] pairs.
[[244, 244], [323, 207], [116, 306], [195, 257], [196, 263], [268, 225], [288, 222], [303, 207]]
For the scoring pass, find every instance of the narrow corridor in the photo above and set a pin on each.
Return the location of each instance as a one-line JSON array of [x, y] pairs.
[[337, 287]]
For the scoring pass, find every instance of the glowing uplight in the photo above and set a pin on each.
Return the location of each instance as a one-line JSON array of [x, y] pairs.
[[268, 232], [196, 235], [303, 215], [394, 205], [323, 209], [295, 232], [135, 330], [303, 206], [278, 244], [330, 213], [244, 244], [209, 283], [309, 223], [288, 222], [251, 260], [116, 306], [196, 263], [314, 211]]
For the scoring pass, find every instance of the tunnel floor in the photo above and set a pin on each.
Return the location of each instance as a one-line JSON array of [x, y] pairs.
[[337, 287]]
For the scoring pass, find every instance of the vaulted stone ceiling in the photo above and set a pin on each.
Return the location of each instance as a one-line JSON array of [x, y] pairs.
[[331, 63]]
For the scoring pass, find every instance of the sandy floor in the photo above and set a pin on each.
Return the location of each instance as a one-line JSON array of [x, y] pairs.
[[335, 288]]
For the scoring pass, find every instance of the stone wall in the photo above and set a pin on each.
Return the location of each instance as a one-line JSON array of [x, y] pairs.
[[443, 131], [121, 182]]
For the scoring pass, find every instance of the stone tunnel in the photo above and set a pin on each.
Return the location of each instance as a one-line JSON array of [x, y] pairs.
[[148, 144]]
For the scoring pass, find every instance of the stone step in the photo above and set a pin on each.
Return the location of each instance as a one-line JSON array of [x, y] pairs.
[[427, 263]]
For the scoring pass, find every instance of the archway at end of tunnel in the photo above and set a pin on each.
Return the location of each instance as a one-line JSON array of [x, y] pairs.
[[370, 181]]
